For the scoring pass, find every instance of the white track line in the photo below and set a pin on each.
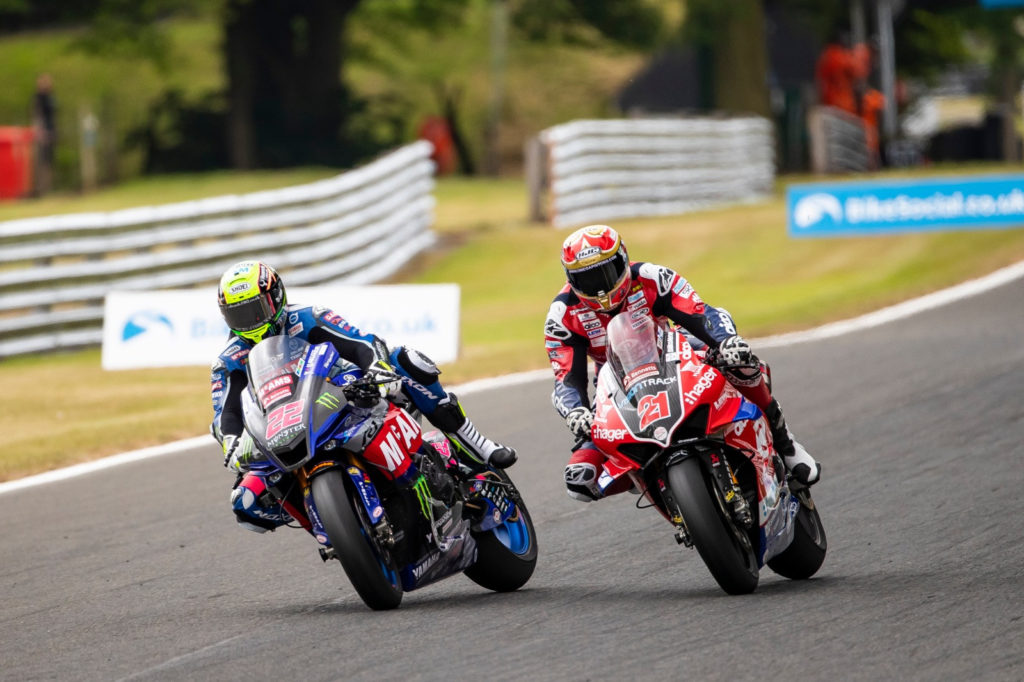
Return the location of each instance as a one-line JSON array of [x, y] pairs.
[[907, 308]]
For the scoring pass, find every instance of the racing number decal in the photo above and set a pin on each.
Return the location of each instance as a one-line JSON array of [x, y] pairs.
[[652, 408], [283, 417]]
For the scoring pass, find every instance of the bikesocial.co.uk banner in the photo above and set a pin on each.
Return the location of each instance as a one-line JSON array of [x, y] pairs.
[[184, 327], [888, 207]]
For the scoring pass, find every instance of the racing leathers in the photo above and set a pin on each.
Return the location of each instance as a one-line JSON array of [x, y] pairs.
[[573, 332], [254, 508]]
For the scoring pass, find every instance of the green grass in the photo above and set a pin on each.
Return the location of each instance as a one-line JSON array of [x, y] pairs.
[[61, 409]]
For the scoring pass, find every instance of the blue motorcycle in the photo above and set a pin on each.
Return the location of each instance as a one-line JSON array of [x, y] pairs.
[[347, 460]]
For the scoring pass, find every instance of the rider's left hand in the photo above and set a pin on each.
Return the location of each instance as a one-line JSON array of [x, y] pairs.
[[732, 352], [391, 389]]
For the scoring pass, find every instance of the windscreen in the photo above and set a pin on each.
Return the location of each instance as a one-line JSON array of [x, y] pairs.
[[274, 368], [632, 347]]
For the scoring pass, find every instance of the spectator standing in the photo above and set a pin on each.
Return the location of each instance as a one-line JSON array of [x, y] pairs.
[[44, 124], [836, 74]]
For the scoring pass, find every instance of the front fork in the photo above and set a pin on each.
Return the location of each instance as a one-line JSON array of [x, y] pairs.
[[728, 494], [368, 498]]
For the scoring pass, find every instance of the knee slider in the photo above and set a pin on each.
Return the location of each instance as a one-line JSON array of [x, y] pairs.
[[581, 481], [418, 366]]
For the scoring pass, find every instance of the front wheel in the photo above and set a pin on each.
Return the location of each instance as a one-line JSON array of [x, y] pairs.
[[506, 554], [352, 538], [724, 548], [806, 553]]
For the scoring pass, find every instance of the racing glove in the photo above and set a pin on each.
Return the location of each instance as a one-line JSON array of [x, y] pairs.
[[734, 357], [579, 420], [237, 451], [733, 351], [389, 389]]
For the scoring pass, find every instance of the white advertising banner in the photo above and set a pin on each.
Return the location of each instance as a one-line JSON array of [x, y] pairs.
[[184, 327]]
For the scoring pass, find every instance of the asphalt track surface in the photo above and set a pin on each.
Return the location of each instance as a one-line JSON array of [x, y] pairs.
[[139, 572]]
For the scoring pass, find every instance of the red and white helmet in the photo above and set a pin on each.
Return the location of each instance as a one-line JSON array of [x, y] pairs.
[[597, 267]]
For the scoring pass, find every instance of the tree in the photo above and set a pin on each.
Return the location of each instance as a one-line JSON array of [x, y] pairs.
[[286, 98]]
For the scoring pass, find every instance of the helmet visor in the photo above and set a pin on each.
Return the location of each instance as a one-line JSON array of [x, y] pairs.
[[600, 278], [250, 314]]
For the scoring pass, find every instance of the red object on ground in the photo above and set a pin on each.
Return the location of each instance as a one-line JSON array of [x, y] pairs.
[[16, 157]]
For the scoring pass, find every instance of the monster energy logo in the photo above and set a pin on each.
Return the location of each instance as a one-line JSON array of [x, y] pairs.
[[423, 495], [329, 401]]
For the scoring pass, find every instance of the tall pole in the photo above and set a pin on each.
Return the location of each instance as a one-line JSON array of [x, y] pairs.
[[499, 49], [887, 66], [858, 30]]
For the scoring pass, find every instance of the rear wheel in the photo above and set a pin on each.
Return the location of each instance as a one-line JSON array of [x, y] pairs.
[[506, 554], [806, 553], [725, 548], [352, 537]]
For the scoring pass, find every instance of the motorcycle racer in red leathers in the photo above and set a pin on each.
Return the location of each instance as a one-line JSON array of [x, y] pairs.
[[603, 282]]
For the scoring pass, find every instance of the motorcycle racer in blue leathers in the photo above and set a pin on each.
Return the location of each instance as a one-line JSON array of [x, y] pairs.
[[254, 304]]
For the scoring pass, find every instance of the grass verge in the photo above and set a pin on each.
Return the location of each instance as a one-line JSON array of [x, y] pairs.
[[62, 409]]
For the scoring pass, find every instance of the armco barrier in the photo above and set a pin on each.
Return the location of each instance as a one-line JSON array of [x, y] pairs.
[[356, 228], [600, 170]]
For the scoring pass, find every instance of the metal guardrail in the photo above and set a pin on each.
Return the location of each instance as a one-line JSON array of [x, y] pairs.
[[356, 228], [838, 141], [596, 170]]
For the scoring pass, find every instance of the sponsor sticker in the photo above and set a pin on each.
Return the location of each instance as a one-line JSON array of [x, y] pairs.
[[610, 434], [641, 372], [683, 289], [707, 379]]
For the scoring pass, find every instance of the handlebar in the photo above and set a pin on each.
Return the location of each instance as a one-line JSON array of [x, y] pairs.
[[366, 389]]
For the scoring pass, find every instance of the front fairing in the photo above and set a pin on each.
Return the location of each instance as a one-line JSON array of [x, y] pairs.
[[292, 408], [659, 394], [638, 397]]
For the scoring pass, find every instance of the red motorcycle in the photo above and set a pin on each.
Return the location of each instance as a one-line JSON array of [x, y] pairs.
[[703, 456]]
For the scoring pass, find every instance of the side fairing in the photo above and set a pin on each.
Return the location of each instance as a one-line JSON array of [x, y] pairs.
[[390, 449]]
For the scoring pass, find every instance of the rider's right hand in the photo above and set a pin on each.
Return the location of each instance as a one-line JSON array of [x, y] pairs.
[[579, 420], [229, 445], [237, 451]]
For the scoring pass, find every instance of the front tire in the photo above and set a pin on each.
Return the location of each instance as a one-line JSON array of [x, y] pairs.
[[806, 553], [724, 548], [352, 539], [507, 554]]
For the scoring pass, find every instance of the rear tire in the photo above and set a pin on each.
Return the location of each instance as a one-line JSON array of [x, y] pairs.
[[724, 548], [806, 553], [353, 542], [506, 555]]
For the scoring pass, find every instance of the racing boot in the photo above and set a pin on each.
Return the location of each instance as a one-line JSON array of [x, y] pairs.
[[798, 461], [451, 418]]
